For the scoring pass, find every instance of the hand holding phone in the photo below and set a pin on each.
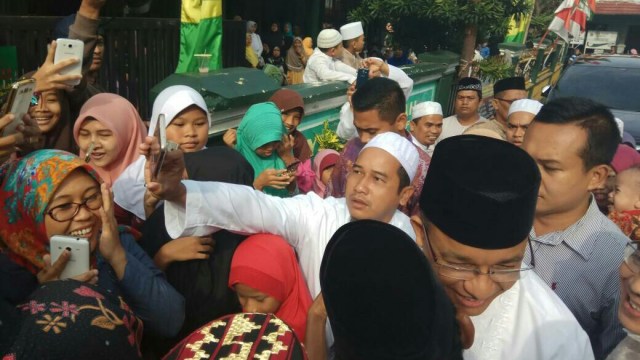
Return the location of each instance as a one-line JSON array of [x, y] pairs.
[[67, 49], [79, 252], [158, 129], [362, 78], [18, 103]]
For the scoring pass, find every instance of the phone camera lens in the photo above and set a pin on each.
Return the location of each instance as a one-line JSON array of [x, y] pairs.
[[70, 46]]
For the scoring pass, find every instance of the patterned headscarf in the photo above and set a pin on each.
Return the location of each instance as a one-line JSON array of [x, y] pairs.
[[28, 184], [261, 125]]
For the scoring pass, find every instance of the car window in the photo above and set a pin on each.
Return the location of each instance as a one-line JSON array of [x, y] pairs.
[[617, 88]]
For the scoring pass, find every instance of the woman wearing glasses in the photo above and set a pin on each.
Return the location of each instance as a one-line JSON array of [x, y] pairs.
[[629, 310], [52, 192]]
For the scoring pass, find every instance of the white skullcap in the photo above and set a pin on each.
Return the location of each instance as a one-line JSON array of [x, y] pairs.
[[351, 30], [400, 148], [329, 38], [426, 108], [526, 105], [620, 124]]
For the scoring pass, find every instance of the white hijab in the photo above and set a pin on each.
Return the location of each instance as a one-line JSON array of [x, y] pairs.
[[128, 189]]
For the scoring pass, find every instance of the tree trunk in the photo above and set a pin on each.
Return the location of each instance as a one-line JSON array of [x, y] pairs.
[[468, 49]]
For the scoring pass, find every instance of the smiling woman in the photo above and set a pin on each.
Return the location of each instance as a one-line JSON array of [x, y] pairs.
[[51, 110], [108, 132], [51, 192]]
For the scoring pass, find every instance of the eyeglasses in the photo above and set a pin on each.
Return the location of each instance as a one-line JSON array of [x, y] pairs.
[[632, 256], [68, 211], [468, 273], [507, 100]]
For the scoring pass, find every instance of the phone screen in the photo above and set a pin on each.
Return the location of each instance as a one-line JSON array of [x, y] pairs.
[[363, 76]]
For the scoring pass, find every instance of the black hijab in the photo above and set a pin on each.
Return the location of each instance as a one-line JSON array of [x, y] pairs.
[[203, 283], [383, 299]]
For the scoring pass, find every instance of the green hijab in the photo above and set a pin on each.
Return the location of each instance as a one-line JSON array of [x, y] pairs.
[[262, 124]]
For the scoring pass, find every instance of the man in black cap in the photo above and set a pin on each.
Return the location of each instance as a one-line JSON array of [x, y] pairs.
[[505, 92], [405, 313], [477, 215], [467, 102]]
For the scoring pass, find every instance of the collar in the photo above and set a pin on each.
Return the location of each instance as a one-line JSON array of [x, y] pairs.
[[318, 51], [576, 236], [417, 143]]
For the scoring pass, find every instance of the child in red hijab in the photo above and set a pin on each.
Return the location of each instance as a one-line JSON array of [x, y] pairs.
[[626, 202], [267, 278]]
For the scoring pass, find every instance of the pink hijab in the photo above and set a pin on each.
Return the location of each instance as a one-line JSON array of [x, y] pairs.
[[119, 115], [322, 160]]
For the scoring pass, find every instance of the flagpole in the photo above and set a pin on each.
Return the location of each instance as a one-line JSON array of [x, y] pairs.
[[543, 37]]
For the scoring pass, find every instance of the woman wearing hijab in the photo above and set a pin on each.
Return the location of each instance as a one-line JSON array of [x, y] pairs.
[[267, 278], [296, 62], [307, 44], [196, 268], [288, 37], [256, 42], [249, 53], [108, 132], [74, 320], [188, 122], [323, 164], [52, 192], [258, 137]]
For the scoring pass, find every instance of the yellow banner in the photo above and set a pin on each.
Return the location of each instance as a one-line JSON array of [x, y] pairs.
[[193, 11]]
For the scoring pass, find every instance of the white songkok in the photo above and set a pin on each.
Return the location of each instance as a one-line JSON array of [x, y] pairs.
[[400, 148], [351, 30], [620, 124], [329, 38], [526, 105], [426, 108]]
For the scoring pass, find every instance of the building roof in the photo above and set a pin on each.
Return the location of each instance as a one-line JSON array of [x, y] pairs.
[[618, 7]]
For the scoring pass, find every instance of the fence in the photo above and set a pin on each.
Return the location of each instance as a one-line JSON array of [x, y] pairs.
[[138, 54]]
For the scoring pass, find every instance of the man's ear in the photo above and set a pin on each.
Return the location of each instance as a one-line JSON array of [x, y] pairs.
[[405, 194], [401, 122], [598, 176], [412, 126]]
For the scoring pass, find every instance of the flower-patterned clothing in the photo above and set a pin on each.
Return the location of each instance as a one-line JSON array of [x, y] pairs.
[[628, 222], [68, 319]]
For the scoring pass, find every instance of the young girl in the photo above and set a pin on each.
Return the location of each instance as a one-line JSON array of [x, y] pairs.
[[259, 136], [625, 198], [51, 110], [323, 164], [187, 121], [52, 192], [108, 133], [267, 278]]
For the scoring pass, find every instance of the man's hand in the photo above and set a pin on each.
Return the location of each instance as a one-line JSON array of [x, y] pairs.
[[48, 78], [168, 185], [183, 249], [91, 8], [376, 67]]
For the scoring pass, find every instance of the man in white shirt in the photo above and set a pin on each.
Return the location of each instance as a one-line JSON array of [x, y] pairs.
[[353, 42], [379, 182], [426, 125], [323, 64], [467, 102], [476, 227]]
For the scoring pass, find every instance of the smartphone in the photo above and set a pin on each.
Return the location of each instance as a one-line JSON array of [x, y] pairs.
[[362, 77], [292, 168], [158, 129], [80, 253], [18, 103], [70, 48]]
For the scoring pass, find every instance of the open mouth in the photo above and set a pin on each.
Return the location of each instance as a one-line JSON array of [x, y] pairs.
[[43, 120], [86, 232], [469, 301]]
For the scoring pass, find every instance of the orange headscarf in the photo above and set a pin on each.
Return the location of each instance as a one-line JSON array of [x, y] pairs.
[[119, 115], [268, 264]]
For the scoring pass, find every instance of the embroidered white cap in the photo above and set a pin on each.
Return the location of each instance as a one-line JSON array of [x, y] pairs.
[[620, 124], [400, 148], [526, 105], [329, 38], [426, 108], [351, 30]]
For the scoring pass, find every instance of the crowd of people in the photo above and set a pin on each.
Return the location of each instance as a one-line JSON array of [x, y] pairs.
[[426, 237]]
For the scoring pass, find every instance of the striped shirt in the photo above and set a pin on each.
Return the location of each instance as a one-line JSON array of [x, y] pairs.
[[581, 265]]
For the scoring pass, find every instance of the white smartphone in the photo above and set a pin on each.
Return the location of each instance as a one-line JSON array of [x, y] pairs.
[[80, 252], [18, 103], [70, 48]]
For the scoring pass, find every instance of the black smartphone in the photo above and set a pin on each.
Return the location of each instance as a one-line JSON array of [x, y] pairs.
[[291, 169], [363, 76]]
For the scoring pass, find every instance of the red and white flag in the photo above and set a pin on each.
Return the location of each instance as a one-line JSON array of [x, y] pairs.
[[571, 18]]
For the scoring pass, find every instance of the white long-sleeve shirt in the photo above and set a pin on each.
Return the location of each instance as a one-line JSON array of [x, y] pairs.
[[528, 322], [346, 129], [322, 67], [307, 221]]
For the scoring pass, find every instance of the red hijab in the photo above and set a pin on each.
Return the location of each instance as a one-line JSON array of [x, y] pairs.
[[268, 264]]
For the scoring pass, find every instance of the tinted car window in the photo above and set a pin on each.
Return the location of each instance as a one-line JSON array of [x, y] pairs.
[[615, 87]]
